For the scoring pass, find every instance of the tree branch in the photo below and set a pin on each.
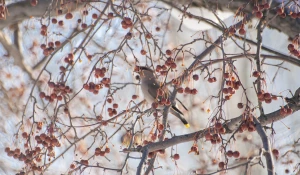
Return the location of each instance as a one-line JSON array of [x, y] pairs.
[[22, 10], [287, 25], [231, 126]]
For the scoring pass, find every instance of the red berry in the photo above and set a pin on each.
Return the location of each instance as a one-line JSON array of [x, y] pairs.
[[259, 14], [229, 153], [236, 154], [94, 16], [242, 31], [196, 77], [60, 23], [267, 96], [110, 15], [176, 156], [275, 152], [225, 91], [54, 20], [180, 90], [154, 105], [266, 6], [72, 166], [222, 165], [69, 16], [143, 52], [226, 75], [115, 105], [256, 74], [151, 155], [240, 105], [255, 9], [232, 30], [293, 15], [218, 125], [42, 94], [289, 111], [261, 7], [168, 52], [33, 2], [283, 111], [107, 150], [291, 47]]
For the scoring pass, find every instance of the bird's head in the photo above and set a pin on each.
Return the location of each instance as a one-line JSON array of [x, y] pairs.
[[144, 71]]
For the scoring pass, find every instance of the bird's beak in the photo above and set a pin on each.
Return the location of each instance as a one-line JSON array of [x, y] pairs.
[[137, 69]]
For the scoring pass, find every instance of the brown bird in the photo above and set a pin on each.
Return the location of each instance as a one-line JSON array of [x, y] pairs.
[[154, 92]]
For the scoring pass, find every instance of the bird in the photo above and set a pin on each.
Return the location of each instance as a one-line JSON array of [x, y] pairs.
[[154, 92]]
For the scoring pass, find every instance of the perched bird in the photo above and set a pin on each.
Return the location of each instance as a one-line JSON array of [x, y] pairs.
[[154, 92]]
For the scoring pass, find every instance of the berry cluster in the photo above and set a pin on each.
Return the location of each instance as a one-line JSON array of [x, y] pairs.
[[234, 154], [59, 89], [31, 157], [266, 97], [94, 88], [99, 152], [294, 51], [50, 47], [69, 59], [232, 85], [248, 125], [126, 23], [213, 135], [100, 72], [282, 14], [257, 9], [242, 31], [187, 90], [286, 111]]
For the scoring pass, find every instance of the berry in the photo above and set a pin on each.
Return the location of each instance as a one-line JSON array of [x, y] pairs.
[[143, 52], [242, 31], [69, 16], [196, 77], [256, 74], [229, 153], [275, 152], [289, 111], [259, 14], [236, 154], [218, 125], [176, 156], [110, 15], [240, 105], [221, 165], [168, 52]]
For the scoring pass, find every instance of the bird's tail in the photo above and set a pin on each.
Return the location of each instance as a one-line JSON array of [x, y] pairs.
[[175, 111]]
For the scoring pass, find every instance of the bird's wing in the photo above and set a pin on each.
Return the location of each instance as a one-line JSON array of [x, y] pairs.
[[167, 94], [153, 89], [182, 104], [176, 109]]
